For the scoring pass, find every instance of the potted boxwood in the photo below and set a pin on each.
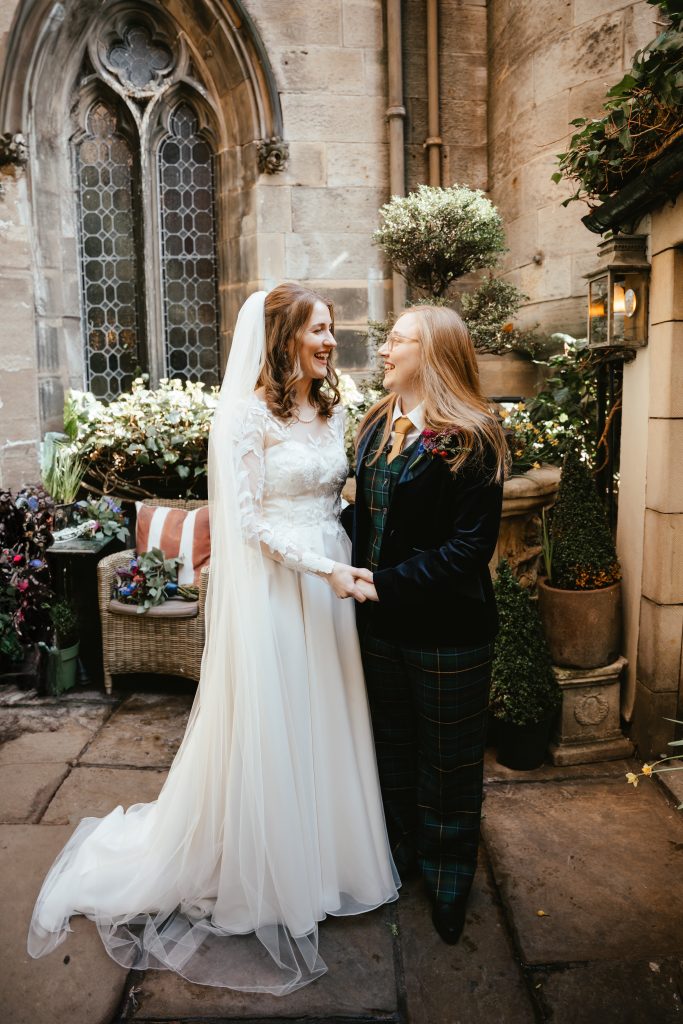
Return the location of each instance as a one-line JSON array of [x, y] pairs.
[[62, 657], [435, 236], [580, 599], [525, 695]]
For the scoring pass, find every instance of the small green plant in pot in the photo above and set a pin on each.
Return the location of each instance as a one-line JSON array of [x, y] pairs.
[[580, 598], [62, 657], [62, 472], [525, 695]]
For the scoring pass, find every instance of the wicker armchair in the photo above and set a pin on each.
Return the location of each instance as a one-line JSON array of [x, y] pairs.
[[161, 643]]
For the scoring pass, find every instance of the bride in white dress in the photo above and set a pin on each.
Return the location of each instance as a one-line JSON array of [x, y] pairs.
[[271, 816]]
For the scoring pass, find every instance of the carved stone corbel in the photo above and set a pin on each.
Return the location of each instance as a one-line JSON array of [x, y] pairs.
[[12, 149], [273, 155]]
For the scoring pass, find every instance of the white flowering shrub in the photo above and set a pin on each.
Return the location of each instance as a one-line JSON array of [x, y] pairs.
[[145, 442], [356, 399], [434, 235]]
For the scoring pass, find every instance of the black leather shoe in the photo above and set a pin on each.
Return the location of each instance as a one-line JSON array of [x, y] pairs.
[[449, 920]]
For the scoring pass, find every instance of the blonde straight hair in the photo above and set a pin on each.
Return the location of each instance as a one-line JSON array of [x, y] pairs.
[[448, 380]]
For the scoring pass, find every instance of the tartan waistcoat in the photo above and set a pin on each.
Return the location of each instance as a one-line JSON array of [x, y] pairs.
[[379, 481]]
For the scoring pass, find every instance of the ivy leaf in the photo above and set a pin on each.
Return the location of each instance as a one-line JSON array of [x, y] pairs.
[[625, 139], [556, 177]]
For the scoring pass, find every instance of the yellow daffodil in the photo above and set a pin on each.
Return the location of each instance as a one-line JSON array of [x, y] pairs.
[[647, 769], [631, 778]]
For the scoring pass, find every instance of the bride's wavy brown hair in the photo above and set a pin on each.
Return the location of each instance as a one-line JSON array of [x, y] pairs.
[[288, 309], [448, 380]]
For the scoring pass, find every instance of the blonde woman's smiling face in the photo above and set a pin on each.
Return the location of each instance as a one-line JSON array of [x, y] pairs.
[[401, 353], [316, 343]]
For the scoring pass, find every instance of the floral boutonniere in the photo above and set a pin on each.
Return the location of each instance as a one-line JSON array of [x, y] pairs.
[[444, 444]]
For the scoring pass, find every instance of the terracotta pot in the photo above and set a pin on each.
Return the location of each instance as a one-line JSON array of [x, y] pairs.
[[582, 627], [507, 377]]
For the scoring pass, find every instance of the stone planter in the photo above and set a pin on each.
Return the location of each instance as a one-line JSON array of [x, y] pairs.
[[519, 538], [582, 627], [588, 728], [508, 377]]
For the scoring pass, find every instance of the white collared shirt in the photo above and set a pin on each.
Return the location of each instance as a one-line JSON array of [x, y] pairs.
[[416, 417]]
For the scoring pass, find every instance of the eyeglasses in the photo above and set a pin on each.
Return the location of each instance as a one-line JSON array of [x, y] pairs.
[[394, 338]]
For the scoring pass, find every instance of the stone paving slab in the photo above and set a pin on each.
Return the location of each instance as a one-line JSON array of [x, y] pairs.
[[60, 746], [360, 983], [476, 982], [145, 731], [494, 772], [26, 790], [602, 860], [78, 983], [43, 716], [94, 792], [613, 993]]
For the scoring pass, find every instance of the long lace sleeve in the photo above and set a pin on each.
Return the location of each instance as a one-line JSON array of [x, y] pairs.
[[249, 459]]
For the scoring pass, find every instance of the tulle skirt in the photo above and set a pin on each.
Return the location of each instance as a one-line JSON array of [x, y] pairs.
[[270, 818]]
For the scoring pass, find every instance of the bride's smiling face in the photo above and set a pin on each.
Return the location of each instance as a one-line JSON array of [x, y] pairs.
[[316, 343]]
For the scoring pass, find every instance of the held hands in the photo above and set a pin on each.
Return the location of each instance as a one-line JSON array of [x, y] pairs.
[[347, 580], [367, 590]]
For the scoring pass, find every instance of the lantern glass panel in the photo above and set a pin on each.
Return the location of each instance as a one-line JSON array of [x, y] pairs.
[[597, 311]]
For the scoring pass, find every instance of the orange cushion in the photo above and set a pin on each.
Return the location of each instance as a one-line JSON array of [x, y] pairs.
[[179, 533]]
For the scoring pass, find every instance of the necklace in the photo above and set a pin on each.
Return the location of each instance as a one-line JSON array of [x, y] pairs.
[[301, 420]]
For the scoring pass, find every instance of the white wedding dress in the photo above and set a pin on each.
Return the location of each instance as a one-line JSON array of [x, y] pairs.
[[271, 816]]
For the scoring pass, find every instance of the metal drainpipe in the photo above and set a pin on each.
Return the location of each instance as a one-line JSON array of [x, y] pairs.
[[396, 113], [433, 141]]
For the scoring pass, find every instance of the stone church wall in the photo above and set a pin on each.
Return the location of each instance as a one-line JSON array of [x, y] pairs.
[[549, 65]]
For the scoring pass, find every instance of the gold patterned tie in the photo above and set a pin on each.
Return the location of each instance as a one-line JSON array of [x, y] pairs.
[[401, 428]]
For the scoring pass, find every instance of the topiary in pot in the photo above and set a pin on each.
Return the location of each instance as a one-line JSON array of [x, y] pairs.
[[525, 695], [434, 235], [580, 601]]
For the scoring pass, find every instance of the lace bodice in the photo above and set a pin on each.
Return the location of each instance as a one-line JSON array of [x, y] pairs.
[[289, 480]]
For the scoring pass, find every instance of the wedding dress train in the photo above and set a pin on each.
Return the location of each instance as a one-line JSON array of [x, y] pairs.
[[271, 816]]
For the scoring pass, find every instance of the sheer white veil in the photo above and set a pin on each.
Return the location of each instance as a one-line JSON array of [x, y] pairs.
[[225, 850]]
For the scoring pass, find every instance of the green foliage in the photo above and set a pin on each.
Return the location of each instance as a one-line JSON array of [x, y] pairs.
[[643, 116], [143, 443], [584, 555], [149, 580], [434, 235], [562, 416], [62, 470], [489, 311], [65, 624], [99, 518], [523, 686], [11, 651]]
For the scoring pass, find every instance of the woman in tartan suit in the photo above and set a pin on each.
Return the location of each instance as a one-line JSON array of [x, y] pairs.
[[430, 465]]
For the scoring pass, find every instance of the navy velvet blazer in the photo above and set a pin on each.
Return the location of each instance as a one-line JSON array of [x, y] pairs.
[[433, 580]]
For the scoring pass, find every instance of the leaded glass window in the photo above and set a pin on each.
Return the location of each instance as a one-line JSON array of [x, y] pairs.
[[145, 181], [188, 250], [108, 237]]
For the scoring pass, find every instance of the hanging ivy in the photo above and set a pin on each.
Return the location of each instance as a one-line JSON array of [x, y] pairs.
[[643, 118]]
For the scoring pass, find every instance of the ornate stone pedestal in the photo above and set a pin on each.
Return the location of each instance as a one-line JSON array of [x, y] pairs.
[[589, 726], [519, 539]]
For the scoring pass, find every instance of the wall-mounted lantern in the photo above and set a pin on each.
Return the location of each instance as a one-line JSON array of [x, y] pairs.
[[617, 296]]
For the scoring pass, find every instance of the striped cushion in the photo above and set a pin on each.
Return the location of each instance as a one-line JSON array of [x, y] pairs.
[[179, 533]]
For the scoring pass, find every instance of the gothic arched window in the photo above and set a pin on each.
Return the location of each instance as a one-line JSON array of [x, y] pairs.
[[145, 181]]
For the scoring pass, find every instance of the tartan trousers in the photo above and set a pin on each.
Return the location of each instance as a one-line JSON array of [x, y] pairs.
[[429, 709]]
